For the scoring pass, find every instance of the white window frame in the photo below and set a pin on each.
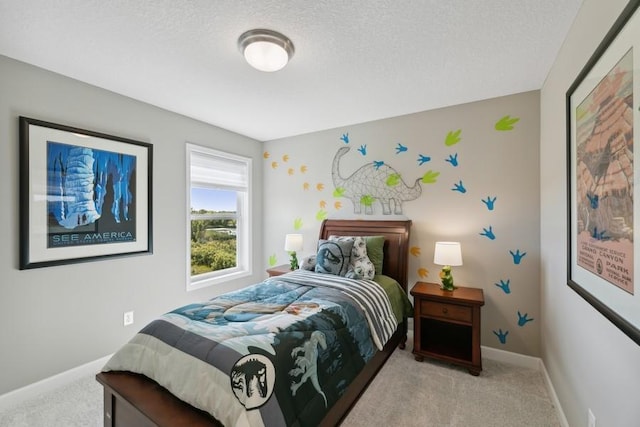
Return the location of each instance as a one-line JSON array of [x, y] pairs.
[[243, 221]]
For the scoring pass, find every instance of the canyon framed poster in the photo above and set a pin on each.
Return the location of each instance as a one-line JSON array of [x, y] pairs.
[[84, 195], [602, 113]]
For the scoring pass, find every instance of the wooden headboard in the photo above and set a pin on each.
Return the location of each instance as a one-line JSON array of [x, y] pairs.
[[396, 241]]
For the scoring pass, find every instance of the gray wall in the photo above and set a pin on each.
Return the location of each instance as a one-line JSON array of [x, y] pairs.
[[502, 164], [591, 363], [54, 319]]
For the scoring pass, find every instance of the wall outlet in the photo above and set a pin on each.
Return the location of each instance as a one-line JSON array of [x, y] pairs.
[[128, 318], [591, 418]]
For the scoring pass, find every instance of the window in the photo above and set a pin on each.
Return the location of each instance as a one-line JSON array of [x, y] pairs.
[[218, 223]]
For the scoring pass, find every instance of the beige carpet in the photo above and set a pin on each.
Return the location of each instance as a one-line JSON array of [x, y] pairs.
[[405, 393], [409, 393]]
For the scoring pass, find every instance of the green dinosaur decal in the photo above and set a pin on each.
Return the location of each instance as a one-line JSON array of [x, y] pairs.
[[272, 260], [338, 192], [453, 137], [367, 200], [393, 179], [430, 177], [321, 215], [297, 223], [506, 122]]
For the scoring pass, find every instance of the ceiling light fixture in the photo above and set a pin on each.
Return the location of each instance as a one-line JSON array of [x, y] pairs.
[[265, 50]]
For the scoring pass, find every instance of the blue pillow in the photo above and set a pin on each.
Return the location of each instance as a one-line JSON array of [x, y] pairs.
[[333, 257]]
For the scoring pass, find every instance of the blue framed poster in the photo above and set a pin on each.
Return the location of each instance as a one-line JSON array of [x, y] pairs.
[[84, 195]]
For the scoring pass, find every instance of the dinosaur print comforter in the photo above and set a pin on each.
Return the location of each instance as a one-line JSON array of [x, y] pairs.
[[278, 353]]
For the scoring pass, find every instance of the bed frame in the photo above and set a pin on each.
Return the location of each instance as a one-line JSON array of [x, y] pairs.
[[134, 400]]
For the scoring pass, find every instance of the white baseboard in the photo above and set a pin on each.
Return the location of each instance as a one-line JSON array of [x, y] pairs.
[[511, 358], [531, 363], [553, 395], [31, 391]]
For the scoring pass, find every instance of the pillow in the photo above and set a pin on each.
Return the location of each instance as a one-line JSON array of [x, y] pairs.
[[309, 263], [333, 257], [375, 246], [360, 266]]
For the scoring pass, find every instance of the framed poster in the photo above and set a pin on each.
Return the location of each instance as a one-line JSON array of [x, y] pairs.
[[84, 195], [602, 113]]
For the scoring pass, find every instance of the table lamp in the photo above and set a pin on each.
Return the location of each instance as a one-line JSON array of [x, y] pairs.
[[293, 244], [447, 254]]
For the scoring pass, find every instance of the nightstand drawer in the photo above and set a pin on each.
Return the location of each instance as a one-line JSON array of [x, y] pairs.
[[446, 311]]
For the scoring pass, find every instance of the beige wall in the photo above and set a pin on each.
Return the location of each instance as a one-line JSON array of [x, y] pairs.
[[56, 318], [299, 192], [592, 364]]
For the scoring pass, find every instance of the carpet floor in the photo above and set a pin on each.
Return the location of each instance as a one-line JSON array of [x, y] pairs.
[[404, 393]]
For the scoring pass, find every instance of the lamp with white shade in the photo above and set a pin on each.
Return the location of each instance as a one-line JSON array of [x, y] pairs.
[[447, 254], [293, 244]]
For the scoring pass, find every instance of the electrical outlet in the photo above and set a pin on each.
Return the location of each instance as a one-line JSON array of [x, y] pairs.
[[592, 419], [128, 318]]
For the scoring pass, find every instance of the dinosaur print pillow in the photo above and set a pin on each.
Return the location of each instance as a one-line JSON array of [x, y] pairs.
[[360, 266], [333, 257]]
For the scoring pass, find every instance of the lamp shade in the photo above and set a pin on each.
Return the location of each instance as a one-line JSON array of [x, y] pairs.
[[265, 50], [447, 253], [293, 242]]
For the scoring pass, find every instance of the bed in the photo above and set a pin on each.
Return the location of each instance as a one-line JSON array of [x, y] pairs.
[[131, 398]]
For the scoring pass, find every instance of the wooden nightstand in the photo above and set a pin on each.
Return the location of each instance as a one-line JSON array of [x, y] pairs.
[[446, 325], [279, 269]]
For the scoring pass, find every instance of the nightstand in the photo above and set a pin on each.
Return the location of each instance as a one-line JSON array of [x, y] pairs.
[[279, 269], [446, 325]]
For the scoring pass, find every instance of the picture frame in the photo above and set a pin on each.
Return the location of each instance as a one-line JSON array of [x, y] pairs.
[[602, 113], [84, 195]]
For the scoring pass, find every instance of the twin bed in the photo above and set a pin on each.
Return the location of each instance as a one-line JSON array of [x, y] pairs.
[[296, 349]]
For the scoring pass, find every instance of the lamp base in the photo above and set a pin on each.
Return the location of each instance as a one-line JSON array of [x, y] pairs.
[[447, 279], [294, 261], [447, 287]]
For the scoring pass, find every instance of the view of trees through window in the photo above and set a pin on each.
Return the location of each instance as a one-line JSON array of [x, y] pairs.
[[213, 241], [213, 229]]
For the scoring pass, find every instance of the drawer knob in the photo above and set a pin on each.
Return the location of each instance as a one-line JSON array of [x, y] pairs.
[[445, 310]]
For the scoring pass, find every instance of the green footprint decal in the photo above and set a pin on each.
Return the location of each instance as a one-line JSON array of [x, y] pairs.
[[393, 179], [367, 200], [321, 215], [453, 137], [506, 123], [430, 177]]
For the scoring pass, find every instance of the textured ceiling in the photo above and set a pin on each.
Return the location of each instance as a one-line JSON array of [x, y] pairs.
[[355, 61]]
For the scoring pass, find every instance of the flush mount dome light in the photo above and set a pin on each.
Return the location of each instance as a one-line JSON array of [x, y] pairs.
[[265, 50]]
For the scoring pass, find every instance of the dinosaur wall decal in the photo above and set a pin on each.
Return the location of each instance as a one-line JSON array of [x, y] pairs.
[[373, 181]]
